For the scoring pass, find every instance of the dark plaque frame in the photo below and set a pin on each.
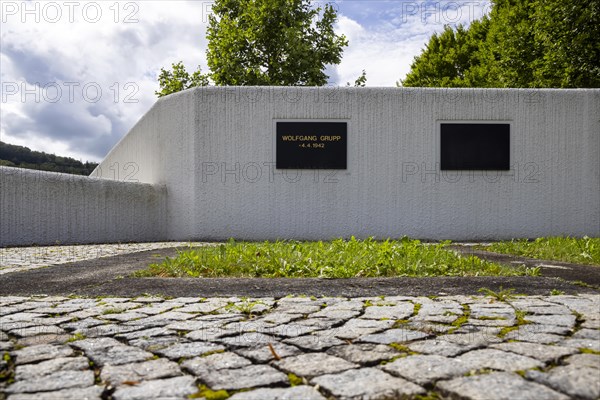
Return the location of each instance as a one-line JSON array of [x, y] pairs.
[[311, 145], [475, 146]]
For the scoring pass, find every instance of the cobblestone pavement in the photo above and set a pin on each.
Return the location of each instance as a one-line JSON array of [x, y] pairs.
[[15, 259], [466, 347]]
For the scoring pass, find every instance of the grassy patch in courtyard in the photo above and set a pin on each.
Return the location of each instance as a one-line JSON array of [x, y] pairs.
[[574, 250], [332, 259]]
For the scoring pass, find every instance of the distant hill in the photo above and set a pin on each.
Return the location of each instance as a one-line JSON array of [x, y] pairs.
[[24, 157]]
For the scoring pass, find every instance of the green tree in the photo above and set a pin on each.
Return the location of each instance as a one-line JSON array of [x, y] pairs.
[[361, 81], [23, 157], [450, 58], [272, 42], [523, 43], [179, 79], [569, 34], [510, 48]]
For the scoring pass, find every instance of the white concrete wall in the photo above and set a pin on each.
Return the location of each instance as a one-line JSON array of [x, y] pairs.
[[207, 145], [39, 207]]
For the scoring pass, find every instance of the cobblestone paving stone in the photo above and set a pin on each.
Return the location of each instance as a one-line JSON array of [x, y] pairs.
[[467, 347], [14, 259]]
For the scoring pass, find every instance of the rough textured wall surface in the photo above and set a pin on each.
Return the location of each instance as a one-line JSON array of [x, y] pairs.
[[214, 149], [38, 207]]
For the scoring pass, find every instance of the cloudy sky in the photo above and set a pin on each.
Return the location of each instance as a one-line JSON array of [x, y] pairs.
[[76, 76]]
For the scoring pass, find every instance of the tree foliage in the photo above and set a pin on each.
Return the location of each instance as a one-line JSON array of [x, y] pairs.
[[361, 81], [179, 79], [450, 58], [264, 42], [522, 43], [569, 33], [272, 42], [23, 157]]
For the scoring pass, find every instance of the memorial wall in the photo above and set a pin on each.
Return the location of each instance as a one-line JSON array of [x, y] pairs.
[[316, 163], [262, 163]]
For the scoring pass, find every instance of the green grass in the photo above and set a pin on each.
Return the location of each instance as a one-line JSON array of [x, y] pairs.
[[575, 250], [335, 259]]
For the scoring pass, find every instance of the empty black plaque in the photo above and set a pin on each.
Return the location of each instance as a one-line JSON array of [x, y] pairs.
[[472, 146], [311, 145]]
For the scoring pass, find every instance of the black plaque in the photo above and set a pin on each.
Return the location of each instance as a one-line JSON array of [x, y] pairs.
[[311, 145], [473, 146]]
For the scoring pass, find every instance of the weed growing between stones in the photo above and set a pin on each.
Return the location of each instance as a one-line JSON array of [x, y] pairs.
[[501, 295], [244, 307]]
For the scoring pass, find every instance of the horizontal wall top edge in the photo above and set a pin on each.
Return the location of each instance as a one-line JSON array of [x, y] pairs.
[[388, 88], [370, 90], [51, 176]]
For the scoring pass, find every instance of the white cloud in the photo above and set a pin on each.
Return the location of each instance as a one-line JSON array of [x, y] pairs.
[[121, 59], [124, 59], [386, 43], [385, 58]]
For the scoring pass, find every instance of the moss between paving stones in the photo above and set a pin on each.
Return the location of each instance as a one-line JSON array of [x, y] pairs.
[[204, 392], [7, 373], [589, 351], [460, 321], [404, 352], [295, 380], [520, 320]]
